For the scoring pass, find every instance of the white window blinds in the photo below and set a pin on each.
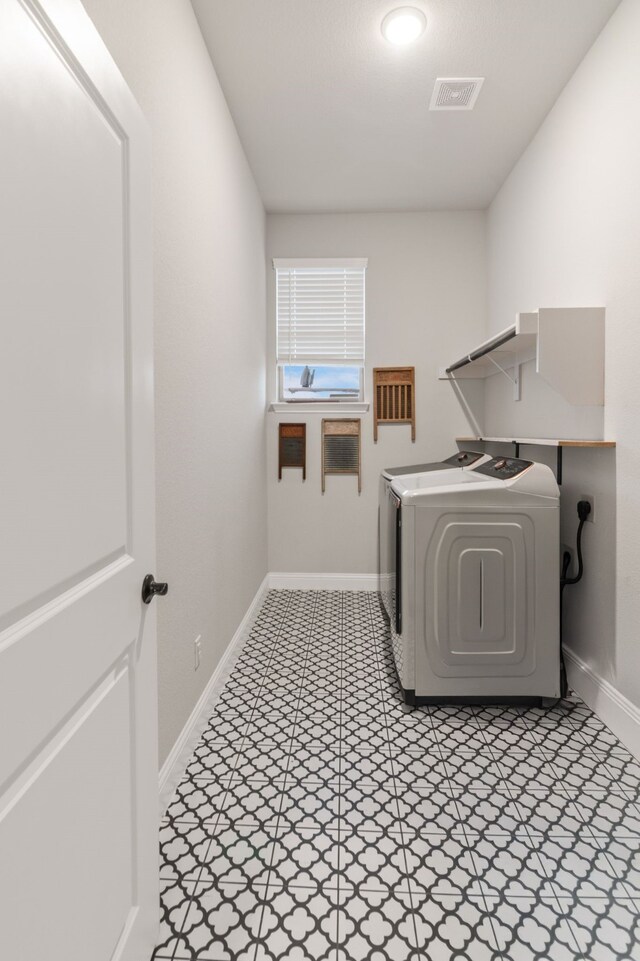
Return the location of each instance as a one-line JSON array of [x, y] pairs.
[[320, 311]]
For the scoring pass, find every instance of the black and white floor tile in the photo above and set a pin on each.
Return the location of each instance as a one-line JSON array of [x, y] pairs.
[[322, 820]]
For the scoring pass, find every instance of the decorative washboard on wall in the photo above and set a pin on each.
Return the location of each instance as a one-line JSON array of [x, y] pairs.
[[394, 397], [341, 448], [292, 447]]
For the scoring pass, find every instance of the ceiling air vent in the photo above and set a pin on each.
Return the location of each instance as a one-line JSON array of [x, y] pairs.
[[455, 93]]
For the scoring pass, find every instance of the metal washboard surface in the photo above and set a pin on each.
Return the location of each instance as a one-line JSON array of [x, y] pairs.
[[341, 451]]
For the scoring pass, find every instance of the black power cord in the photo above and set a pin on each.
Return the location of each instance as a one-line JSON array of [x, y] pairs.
[[584, 509]]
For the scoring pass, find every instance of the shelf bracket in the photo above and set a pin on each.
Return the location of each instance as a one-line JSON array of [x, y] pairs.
[[515, 380]]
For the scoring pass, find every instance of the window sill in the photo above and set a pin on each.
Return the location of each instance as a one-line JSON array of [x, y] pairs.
[[320, 407]]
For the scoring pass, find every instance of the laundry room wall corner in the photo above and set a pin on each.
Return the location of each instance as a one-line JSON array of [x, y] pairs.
[[209, 293]]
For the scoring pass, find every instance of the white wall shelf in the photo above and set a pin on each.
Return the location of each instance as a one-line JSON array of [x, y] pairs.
[[514, 344], [567, 344]]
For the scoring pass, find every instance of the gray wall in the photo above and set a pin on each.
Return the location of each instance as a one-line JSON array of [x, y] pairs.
[[564, 230], [425, 303], [209, 344]]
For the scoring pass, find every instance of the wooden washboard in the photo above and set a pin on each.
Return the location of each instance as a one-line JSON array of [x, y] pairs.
[[341, 448], [292, 447], [394, 400]]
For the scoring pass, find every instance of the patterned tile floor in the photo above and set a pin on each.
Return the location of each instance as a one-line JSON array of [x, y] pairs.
[[321, 819]]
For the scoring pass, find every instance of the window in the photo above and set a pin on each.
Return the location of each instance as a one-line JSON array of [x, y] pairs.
[[320, 329]]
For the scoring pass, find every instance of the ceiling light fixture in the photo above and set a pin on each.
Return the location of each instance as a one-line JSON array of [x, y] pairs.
[[403, 25]]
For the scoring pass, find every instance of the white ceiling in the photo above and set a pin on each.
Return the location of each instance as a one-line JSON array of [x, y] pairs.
[[334, 118]]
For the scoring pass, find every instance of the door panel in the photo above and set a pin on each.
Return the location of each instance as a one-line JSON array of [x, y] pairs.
[[67, 375], [92, 832], [78, 771], [61, 647]]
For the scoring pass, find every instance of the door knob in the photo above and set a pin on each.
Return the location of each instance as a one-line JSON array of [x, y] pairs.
[[150, 588]]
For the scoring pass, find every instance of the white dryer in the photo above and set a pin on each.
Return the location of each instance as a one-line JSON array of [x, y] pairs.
[[478, 584], [388, 516]]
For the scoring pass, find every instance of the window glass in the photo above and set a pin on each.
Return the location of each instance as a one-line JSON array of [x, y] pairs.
[[304, 382]]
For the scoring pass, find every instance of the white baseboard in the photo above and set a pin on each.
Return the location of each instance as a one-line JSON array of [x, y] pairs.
[[323, 582], [617, 711], [175, 765]]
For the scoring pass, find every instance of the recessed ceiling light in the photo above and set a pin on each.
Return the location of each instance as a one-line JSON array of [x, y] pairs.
[[403, 25]]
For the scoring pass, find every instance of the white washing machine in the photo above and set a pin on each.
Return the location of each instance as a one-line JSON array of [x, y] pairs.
[[388, 516], [477, 600]]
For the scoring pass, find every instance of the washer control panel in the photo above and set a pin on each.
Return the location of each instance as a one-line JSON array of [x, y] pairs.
[[503, 468], [463, 458]]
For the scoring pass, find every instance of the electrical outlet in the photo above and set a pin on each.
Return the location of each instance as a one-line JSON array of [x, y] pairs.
[[592, 513], [197, 645]]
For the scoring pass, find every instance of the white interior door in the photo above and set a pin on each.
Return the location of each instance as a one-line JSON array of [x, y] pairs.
[[78, 755]]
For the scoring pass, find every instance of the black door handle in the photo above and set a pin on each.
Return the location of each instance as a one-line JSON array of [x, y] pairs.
[[150, 588]]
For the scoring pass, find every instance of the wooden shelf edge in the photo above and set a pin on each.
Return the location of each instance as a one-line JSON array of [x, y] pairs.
[[537, 441], [586, 443]]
